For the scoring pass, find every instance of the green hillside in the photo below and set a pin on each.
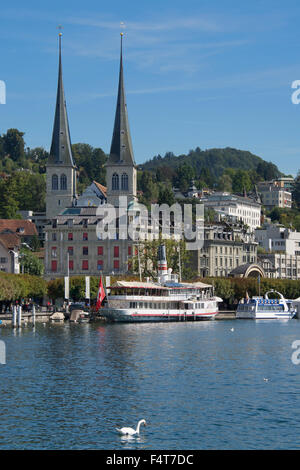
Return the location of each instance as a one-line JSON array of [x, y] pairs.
[[217, 160]]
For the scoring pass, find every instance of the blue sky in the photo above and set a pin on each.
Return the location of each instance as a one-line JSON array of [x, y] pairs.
[[201, 73]]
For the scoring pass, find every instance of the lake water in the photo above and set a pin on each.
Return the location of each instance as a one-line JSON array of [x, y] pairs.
[[198, 385]]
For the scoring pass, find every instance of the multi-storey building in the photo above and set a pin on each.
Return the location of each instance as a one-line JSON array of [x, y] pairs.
[[276, 238], [285, 182], [236, 208], [225, 248], [282, 248], [10, 244], [274, 194]]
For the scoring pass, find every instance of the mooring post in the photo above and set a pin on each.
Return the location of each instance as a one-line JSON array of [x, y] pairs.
[[33, 315], [19, 316], [14, 317]]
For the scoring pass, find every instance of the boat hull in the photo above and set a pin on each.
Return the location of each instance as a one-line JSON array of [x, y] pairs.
[[265, 316], [129, 316]]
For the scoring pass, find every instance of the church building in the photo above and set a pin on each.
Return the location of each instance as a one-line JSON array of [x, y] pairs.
[[72, 246]]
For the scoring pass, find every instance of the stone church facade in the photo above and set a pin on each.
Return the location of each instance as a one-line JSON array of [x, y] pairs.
[[72, 244]]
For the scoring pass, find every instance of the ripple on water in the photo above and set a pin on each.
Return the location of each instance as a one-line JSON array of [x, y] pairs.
[[197, 386]]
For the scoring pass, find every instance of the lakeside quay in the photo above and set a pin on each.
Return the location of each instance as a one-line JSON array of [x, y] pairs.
[[27, 318], [44, 317]]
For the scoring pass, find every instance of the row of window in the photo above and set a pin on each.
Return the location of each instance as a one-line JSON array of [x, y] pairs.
[[63, 182], [85, 251], [85, 236], [155, 305], [163, 305], [85, 265], [115, 182]]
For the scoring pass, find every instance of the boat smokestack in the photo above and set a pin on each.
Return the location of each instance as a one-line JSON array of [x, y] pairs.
[[162, 266]]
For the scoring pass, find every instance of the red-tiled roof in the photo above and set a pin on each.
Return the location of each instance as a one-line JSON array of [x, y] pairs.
[[40, 254], [102, 188], [22, 227], [10, 240]]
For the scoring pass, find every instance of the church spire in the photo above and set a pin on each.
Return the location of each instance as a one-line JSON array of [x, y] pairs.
[[121, 146], [60, 151]]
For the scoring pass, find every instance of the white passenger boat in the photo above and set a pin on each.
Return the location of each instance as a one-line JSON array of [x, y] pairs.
[[165, 300], [265, 308]]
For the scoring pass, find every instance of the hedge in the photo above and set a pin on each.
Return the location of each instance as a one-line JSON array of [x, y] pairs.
[[19, 286], [231, 289]]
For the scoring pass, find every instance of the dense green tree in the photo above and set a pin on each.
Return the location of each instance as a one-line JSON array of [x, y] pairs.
[[296, 191], [91, 164], [14, 145], [166, 196], [9, 205], [148, 185], [217, 160], [241, 182], [185, 174], [30, 263], [225, 183], [146, 261], [267, 170]]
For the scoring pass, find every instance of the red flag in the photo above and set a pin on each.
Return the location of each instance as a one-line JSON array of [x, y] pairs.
[[100, 295]]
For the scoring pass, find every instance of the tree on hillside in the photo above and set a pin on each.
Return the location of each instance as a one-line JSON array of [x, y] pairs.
[[14, 145], [147, 258], [166, 196], [165, 173], [206, 179], [91, 164], [225, 183], [296, 191], [147, 184], [185, 174], [30, 263], [241, 181], [267, 170], [31, 191], [9, 199]]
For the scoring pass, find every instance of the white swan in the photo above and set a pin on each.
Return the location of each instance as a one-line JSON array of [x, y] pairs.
[[131, 431]]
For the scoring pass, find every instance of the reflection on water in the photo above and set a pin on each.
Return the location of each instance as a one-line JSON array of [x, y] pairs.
[[198, 385]]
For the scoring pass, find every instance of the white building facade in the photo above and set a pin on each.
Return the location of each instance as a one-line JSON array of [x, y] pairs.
[[236, 208]]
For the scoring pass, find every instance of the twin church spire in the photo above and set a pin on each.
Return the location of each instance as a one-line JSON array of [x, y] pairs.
[[61, 171], [121, 145], [61, 151]]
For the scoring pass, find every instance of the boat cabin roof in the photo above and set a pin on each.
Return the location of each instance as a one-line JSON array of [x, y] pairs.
[[156, 285]]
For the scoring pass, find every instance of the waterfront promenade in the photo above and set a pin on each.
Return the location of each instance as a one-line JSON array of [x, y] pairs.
[[43, 316]]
